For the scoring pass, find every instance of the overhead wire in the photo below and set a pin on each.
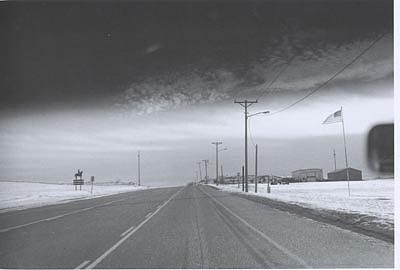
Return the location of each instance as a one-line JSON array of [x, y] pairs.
[[285, 67], [332, 77], [320, 86]]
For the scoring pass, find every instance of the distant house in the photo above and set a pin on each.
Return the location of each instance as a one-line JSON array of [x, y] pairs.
[[307, 175], [341, 175]]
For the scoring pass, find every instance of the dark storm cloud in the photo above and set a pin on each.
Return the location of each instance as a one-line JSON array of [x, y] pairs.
[[168, 53]]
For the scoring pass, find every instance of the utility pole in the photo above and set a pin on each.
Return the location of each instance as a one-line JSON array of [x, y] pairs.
[[255, 172], [138, 167], [216, 160], [246, 104], [205, 165], [238, 179], [334, 158], [199, 163], [242, 178]]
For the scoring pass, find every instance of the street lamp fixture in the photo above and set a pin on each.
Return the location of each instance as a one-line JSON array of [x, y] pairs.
[[254, 114]]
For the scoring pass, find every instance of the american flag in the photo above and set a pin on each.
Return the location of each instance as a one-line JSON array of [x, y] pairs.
[[334, 117]]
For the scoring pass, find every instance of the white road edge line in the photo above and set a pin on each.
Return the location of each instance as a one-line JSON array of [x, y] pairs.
[[148, 214], [105, 254], [267, 238], [55, 217], [82, 265], [128, 230]]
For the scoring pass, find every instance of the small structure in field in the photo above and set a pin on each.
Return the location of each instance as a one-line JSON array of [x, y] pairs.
[[341, 175], [307, 175]]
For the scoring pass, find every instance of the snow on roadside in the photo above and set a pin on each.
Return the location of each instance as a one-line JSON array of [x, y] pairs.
[[21, 195], [374, 198]]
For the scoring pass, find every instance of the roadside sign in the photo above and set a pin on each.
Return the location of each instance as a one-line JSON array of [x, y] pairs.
[[78, 182], [91, 180]]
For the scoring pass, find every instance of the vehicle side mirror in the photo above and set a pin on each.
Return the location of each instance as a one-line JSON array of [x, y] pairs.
[[381, 148]]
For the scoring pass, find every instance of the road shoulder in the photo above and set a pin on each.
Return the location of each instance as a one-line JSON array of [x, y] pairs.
[[359, 223]]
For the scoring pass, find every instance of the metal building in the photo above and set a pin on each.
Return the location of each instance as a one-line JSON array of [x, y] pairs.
[[308, 175], [341, 175]]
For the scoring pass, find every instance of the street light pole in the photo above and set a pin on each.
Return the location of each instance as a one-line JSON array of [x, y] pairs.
[[245, 104], [222, 174], [256, 153], [216, 160], [138, 168], [255, 174]]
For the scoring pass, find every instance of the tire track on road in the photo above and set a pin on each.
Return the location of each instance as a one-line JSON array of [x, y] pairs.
[[284, 250]]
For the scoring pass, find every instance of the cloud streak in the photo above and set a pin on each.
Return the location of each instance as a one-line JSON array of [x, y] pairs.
[[173, 90]]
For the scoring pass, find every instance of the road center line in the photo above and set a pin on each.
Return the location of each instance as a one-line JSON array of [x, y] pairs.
[[148, 214], [264, 236], [108, 252], [56, 217], [82, 265], [128, 230]]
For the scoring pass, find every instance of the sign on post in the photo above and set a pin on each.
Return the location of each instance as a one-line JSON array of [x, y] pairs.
[[91, 180], [78, 180]]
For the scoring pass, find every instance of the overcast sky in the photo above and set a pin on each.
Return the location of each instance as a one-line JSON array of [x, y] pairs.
[[86, 85]]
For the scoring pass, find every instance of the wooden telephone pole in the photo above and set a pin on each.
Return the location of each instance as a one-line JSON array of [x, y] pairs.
[[246, 104]]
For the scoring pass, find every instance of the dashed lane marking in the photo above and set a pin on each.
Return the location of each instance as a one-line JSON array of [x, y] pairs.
[[127, 231], [82, 265], [116, 245]]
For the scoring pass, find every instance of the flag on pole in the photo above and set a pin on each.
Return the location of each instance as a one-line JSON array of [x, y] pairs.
[[334, 117]]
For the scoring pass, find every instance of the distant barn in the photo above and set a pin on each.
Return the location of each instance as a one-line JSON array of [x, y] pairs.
[[341, 175], [307, 175]]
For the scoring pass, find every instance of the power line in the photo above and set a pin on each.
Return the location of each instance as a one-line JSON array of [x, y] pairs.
[[277, 76], [320, 86], [285, 67], [333, 77]]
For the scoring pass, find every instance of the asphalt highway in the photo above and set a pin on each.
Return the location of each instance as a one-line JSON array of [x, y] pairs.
[[182, 227]]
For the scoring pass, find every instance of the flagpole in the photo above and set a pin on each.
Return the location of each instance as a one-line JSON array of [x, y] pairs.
[[345, 152]]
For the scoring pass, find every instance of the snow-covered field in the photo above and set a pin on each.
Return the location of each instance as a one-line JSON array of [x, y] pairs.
[[373, 197], [20, 195]]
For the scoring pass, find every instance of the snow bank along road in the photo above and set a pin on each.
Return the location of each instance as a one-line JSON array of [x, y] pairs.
[[183, 227], [21, 195]]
